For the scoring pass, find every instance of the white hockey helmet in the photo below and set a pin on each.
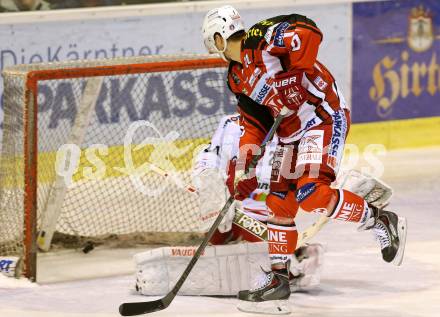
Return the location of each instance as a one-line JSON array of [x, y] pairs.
[[224, 20]]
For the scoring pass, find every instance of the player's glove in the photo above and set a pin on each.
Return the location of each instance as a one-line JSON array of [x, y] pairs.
[[290, 91], [239, 184]]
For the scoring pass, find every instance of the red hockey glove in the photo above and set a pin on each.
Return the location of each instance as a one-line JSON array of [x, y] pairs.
[[290, 90], [238, 184]]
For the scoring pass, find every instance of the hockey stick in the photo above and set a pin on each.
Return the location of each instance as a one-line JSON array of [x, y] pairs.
[[304, 236], [311, 231], [138, 308]]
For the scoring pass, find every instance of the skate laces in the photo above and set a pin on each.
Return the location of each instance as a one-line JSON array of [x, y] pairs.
[[262, 280], [382, 235]]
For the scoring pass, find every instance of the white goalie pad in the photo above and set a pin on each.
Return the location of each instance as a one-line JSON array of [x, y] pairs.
[[373, 190], [221, 270]]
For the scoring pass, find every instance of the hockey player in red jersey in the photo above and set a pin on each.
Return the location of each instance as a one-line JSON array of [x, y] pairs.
[[246, 220], [274, 65]]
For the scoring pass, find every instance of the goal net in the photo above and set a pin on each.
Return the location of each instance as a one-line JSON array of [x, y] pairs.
[[85, 145]]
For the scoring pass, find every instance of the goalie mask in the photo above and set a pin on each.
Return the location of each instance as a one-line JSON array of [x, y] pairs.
[[225, 21]]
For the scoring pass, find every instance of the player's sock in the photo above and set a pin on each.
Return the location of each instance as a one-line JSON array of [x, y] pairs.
[[282, 240], [351, 207]]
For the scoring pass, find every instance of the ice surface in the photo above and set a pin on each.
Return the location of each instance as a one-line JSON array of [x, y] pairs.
[[355, 281]]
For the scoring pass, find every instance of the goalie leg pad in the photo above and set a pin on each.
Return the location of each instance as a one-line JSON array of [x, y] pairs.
[[221, 270]]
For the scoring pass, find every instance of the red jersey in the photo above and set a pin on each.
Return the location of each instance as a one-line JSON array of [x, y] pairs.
[[280, 44]]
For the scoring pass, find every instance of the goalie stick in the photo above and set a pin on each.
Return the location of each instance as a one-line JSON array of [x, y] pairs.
[[138, 308]]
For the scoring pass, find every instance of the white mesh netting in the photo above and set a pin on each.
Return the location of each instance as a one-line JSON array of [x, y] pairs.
[[165, 116]]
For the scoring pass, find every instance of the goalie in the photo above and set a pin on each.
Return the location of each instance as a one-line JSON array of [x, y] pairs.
[[228, 265]]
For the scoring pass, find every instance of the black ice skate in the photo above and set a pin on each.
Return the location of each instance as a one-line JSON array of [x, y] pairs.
[[390, 230], [270, 297]]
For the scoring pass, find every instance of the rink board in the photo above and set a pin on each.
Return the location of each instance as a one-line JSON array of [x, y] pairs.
[[396, 134]]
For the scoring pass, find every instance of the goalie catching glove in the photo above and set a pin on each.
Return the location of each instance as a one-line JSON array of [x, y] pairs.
[[210, 184]]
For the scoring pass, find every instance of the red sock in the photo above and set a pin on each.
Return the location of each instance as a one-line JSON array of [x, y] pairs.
[[350, 207], [282, 241]]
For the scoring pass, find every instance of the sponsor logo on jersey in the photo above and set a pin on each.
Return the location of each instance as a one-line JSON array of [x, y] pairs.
[[281, 195], [305, 191], [253, 32], [310, 124], [278, 39], [263, 93], [320, 83], [252, 225], [285, 82], [266, 23], [337, 140], [310, 147]]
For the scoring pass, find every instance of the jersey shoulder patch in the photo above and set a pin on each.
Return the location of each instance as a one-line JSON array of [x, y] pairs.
[[258, 32]]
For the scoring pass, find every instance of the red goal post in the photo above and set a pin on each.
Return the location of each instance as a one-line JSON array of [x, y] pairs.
[[90, 105]]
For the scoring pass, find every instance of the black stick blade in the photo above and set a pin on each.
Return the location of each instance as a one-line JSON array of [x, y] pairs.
[[139, 308]]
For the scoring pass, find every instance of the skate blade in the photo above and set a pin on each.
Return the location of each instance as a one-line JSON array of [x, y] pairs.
[[273, 307], [402, 227]]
